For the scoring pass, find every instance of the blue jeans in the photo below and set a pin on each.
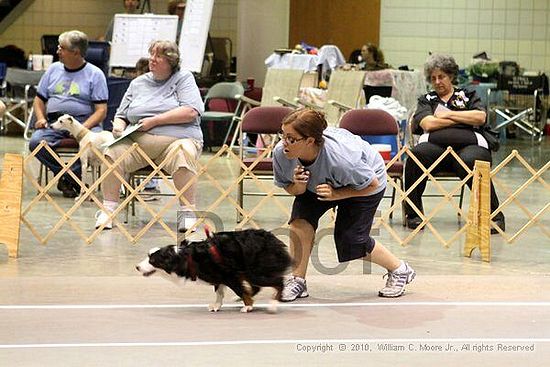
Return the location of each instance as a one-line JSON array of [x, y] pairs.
[[53, 139]]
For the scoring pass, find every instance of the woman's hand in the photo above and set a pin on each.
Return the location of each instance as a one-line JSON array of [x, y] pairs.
[[41, 124], [299, 183], [327, 192], [301, 176], [117, 132], [147, 124], [118, 127]]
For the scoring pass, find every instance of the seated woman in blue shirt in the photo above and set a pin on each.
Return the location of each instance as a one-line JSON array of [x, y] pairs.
[[167, 103]]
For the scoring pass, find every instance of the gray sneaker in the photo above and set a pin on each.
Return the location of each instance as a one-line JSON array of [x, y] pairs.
[[150, 193], [395, 284], [294, 287]]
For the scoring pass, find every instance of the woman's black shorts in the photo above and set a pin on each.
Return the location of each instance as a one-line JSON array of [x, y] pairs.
[[354, 218]]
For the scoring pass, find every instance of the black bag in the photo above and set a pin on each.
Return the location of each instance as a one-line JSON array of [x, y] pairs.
[[492, 136]]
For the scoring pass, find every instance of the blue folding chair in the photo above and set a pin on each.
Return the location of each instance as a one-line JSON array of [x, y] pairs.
[[117, 87], [98, 54]]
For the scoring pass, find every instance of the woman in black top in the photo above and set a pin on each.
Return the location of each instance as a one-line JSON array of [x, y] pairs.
[[447, 116]]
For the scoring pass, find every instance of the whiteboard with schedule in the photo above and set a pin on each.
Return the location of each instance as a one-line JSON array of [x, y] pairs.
[[133, 33]]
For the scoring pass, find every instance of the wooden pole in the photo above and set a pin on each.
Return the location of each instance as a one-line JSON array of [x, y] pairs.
[[478, 234]]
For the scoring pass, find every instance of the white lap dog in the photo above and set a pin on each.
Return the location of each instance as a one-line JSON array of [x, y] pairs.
[[84, 136]]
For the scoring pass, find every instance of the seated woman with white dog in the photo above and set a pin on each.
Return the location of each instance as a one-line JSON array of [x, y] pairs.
[[167, 103], [71, 86]]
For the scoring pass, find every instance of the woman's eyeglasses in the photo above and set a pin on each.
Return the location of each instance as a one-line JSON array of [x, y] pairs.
[[289, 139]]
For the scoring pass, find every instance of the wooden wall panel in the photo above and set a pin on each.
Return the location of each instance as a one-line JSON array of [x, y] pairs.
[[348, 24]]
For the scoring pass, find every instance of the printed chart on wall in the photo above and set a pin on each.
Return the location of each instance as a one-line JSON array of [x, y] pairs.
[[133, 33], [194, 33]]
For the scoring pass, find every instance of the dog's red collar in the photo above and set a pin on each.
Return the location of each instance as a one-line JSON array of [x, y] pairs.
[[213, 250], [214, 253]]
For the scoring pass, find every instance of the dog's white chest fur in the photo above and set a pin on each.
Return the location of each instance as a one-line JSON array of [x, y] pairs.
[[84, 137]]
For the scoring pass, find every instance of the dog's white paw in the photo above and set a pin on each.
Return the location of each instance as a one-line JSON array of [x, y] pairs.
[[246, 309], [214, 307], [273, 304]]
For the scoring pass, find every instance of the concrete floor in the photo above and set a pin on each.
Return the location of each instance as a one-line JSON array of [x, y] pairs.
[[71, 304]]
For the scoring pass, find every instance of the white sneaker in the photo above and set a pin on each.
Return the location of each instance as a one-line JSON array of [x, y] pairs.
[[294, 287], [103, 218], [186, 220], [395, 284]]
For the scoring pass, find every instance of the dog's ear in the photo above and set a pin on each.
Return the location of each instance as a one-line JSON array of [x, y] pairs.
[[68, 119], [184, 247]]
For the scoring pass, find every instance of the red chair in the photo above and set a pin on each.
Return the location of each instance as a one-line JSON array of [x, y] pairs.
[[376, 122], [259, 120]]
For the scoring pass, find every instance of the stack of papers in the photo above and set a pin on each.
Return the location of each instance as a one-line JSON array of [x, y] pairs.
[[127, 132]]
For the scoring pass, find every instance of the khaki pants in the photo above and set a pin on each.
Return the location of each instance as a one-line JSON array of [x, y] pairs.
[[157, 147]]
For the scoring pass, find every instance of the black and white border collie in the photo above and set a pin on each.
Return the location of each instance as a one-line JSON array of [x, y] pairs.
[[244, 261]]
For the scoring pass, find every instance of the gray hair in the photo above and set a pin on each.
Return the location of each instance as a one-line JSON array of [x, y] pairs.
[[76, 40], [445, 63], [168, 50]]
